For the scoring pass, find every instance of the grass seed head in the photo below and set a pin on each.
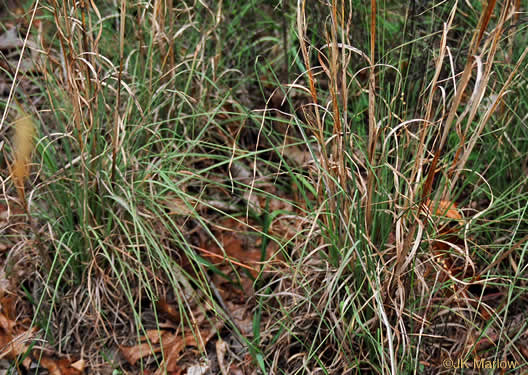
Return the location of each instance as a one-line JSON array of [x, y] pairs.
[[23, 144]]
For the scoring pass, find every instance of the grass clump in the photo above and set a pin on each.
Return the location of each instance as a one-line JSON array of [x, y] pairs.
[[274, 187]]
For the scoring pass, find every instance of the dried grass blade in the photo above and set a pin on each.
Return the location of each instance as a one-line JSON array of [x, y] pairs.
[[485, 19]]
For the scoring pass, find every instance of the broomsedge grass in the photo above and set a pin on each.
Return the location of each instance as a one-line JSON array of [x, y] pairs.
[[23, 145], [157, 122], [387, 284]]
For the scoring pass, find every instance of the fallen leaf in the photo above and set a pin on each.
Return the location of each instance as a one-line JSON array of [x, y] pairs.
[[153, 335], [6, 324], [198, 369], [4, 287], [171, 344], [221, 348], [12, 346], [168, 309], [174, 344], [242, 247], [79, 365], [134, 353], [242, 318], [172, 349], [445, 208], [59, 367]]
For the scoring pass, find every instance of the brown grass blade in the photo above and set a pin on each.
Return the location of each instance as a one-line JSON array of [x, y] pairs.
[[373, 131], [485, 19]]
